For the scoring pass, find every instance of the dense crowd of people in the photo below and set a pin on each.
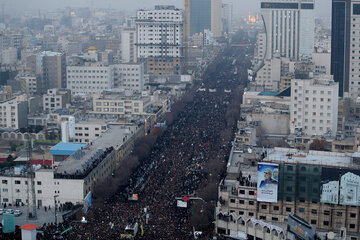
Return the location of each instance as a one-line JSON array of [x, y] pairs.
[[177, 166]]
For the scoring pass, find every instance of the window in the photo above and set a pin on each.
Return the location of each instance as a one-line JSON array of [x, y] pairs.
[[262, 217], [5, 200], [263, 207], [4, 181], [352, 225], [301, 210], [17, 182], [250, 213], [241, 191], [5, 190], [276, 208], [251, 202], [353, 215], [274, 219], [326, 223], [232, 200], [38, 183], [251, 193], [313, 211], [39, 191], [339, 214], [326, 212], [17, 190], [313, 221]]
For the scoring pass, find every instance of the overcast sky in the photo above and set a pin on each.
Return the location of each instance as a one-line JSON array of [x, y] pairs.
[[241, 7]]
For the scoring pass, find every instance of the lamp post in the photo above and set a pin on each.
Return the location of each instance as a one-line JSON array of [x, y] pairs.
[[55, 209]]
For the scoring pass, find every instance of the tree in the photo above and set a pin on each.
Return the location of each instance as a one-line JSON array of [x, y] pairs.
[[318, 144]]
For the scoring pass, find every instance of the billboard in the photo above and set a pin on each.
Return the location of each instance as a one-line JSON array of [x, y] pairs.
[[300, 228], [8, 223], [267, 182], [350, 188], [329, 190]]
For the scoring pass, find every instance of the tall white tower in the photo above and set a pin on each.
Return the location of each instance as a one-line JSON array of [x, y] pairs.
[[289, 27]]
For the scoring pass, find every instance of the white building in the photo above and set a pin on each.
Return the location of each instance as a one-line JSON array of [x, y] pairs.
[[13, 113], [128, 47], [76, 176], [56, 98], [269, 75], [289, 26], [216, 18], [209, 37], [89, 79], [88, 131], [119, 104], [159, 39], [260, 47], [159, 32], [9, 56], [129, 76], [68, 129], [314, 106]]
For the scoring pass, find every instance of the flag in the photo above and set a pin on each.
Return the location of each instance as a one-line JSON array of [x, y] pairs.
[[142, 230]]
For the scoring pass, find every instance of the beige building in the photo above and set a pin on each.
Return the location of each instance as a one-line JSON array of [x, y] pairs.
[[114, 103]]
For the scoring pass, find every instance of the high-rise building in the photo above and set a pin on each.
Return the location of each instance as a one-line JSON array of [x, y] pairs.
[[199, 16], [227, 17], [345, 54], [50, 67], [216, 19], [160, 39], [314, 106], [289, 27], [128, 47]]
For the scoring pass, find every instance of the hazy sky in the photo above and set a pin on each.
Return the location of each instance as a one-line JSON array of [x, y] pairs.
[[241, 7]]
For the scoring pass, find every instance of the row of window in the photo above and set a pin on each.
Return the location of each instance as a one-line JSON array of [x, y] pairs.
[[19, 182]]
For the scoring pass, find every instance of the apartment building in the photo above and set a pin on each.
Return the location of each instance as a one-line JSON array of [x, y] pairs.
[[129, 76], [89, 79], [314, 106], [88, 131], [160, 39], [13, 113], [56, 98], [118, 104]]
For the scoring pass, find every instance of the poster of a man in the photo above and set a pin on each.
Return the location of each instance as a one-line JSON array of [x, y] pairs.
[[267, 178], [267, 182]]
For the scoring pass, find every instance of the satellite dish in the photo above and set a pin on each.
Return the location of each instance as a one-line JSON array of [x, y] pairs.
[[331, 235], [249, 150]]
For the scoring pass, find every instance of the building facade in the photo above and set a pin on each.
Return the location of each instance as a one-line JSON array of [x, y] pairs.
[[160, 39], [13, 113], [129, 76], [56, 98], [289, 27], [216, 18], [128, 47], [314, 106], [89, 79], [199, 16], [345, 46]]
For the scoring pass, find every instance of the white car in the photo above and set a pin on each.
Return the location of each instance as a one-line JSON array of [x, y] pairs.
[[1, 211], [17, 213], [9, 211]]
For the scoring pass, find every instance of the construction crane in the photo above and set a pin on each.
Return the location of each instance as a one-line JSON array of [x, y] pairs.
[[31, 197]]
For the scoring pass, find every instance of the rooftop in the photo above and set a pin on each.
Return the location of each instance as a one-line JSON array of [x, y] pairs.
[[64, 148], [294, 156], [115, 136]]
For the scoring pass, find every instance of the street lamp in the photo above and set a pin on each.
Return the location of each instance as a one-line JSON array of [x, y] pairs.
[[55, 210]]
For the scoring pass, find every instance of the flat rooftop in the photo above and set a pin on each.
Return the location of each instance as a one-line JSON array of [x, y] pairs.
[[294, 156], [115, 136], [64, 148]]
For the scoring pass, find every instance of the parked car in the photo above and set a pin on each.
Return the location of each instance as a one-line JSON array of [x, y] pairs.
[[9, 211], [17, 213], [1, 211]]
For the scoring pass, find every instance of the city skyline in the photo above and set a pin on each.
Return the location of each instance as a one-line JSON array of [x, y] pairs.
[[322, 8]]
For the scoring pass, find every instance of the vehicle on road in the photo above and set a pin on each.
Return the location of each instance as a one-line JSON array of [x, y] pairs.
[[9, 211], [1, 211], [17, 213]]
